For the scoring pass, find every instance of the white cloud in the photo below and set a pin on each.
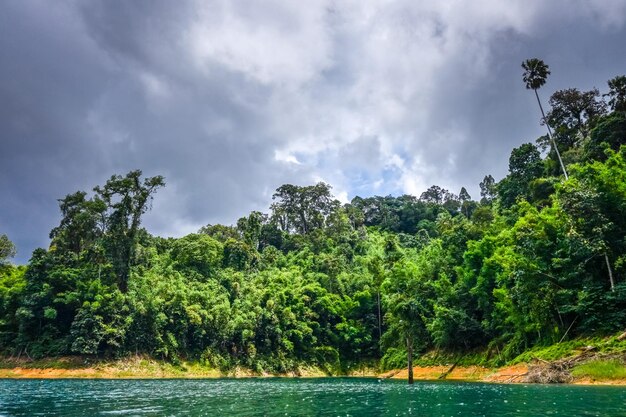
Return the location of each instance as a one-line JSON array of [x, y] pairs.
[[272, 42], [343, 71], [283, 156], [231, 99]]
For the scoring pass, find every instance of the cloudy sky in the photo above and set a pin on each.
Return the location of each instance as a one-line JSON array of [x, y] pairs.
[[230, 99]]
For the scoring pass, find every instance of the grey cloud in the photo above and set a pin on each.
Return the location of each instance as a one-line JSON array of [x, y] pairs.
[[229, 101]]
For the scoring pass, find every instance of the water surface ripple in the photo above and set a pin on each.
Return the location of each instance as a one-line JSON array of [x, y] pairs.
[[302, 397]]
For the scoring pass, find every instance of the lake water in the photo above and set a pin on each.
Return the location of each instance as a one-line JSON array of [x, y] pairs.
[[302, 397]]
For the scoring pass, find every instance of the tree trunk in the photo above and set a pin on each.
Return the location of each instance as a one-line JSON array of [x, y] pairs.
[[558, 154], [305, 226], [568, 329], [409, 354], [608, 265]]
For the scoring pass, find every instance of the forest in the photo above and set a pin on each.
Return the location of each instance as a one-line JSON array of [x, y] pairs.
[[538, 258]]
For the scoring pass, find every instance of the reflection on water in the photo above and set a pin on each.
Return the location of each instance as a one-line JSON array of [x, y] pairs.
[[302, 397]]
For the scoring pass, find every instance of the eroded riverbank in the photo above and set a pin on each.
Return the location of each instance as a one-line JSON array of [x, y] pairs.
[[145, 368]]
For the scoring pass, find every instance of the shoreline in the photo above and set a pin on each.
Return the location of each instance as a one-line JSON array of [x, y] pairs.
[[143, 368]]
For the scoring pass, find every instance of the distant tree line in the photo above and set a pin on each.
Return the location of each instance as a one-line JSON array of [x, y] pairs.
[[536, 259]]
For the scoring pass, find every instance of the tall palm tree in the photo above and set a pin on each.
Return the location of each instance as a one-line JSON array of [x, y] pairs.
[[535, 74]]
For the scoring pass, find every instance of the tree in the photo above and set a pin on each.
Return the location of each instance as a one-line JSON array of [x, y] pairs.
[[596, 201], [127, 199], [589, 221], [488, 190], [405, 308], [198, 252], [464, 195], [83, 222], [377, 269], [106, 224], [220, 232], [467, 205], [303, 209], [609, 133], [525, 165], [435, 194], [574, 114], [535, 74], [525, 162], [617, 93], [239, 255], [7, 249], [12, 284], [250, 228]]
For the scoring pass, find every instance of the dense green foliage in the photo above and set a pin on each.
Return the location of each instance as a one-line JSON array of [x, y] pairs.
[[539, 259]]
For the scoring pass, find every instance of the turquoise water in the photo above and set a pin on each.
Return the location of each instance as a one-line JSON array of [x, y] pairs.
[[301, 397]]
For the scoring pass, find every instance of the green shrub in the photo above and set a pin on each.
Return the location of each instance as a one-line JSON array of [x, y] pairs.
[[601, 369]]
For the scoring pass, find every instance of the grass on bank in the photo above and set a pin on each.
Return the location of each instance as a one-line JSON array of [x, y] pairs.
[[70, 362], [601, 370], [395, 358], [143, 366], [610, 345], [134, 366]]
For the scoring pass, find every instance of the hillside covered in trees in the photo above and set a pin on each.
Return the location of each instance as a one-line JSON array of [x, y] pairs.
[[540, 257]]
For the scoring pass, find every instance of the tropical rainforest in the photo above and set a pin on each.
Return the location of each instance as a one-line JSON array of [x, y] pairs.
[[539, 258]]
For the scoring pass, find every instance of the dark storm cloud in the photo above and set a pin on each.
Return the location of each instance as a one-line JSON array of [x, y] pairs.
[[501, 113], [230, 99], [48, 76]]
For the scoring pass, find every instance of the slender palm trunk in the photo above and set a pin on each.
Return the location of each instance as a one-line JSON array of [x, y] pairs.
[[409, 354], [608, 265], [558, 154]]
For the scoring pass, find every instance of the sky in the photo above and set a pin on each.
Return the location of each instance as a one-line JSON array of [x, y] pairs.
[[228, 100]]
